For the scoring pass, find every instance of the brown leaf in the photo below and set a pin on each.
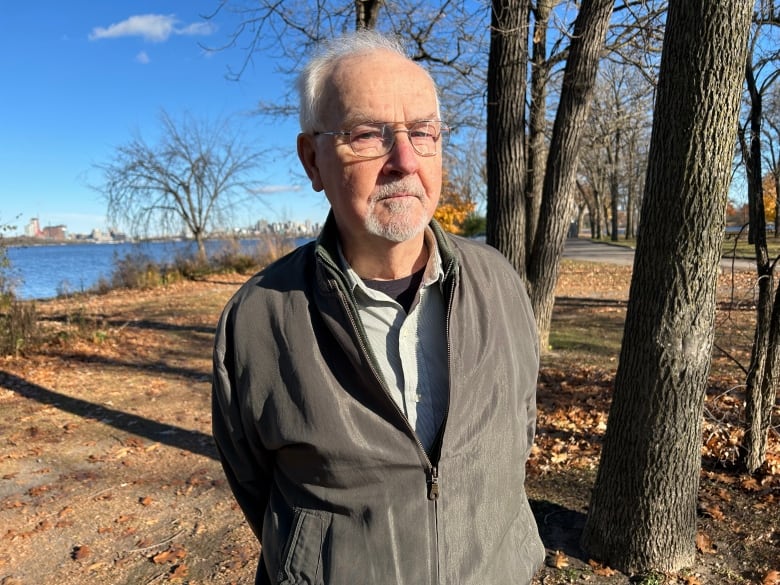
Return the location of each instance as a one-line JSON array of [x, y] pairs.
[[713, 511], [172, 554], [750, 484], [704, 543], [601, 570], [145, 501], [557, 560], [692, 580], [179, 572], [771, 578], [80, 552]]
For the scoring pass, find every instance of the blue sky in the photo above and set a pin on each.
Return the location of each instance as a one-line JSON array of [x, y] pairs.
[[80, 77]]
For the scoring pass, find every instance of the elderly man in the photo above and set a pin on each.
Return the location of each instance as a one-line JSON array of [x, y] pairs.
[[374, 391]]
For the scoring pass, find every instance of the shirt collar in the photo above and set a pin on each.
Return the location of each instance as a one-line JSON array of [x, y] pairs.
[[433, 269]]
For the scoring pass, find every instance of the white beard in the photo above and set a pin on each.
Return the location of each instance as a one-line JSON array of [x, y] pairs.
[[401, 218]]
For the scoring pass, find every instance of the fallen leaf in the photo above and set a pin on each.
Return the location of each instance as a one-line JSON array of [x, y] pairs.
[[601, 570], [80, 552], [145, 501], [172, 554], [557, 560], [771, 578], [713, 511], [179, 572], [692, 580], [704, 543]]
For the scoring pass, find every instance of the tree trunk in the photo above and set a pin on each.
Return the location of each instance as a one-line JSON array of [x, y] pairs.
[[579, 79], [537, 119], [614, 186], [366, 13], [643, 509], [760, 395], [506, 161]]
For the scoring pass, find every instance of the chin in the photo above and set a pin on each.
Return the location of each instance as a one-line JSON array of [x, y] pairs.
[[397, 230]]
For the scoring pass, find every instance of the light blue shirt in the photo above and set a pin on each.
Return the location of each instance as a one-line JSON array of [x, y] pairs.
[[411, 349]]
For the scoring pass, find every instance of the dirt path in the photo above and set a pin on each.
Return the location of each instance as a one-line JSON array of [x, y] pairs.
[[109, 473]]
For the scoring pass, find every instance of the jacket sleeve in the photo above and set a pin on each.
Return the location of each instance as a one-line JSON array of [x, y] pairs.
[[248, 466]]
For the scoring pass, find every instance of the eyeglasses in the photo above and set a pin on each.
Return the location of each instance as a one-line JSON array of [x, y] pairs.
[[375, 139]]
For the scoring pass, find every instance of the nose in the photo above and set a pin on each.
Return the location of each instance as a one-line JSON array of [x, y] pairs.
[[402, 158]]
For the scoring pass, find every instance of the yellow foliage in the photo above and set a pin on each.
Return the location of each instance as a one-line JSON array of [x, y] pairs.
[[451, 217], [770, 198], [454, 206]]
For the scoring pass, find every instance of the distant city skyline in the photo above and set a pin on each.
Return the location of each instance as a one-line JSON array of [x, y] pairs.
[[34, 228]]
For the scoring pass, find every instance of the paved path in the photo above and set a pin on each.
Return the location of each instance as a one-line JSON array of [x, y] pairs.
[[590, 251]]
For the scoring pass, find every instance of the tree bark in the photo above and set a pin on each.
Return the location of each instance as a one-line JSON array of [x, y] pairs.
[[643, 509], [760, 394], [367, 13], [579, 79], [506, 160], [537, 119]]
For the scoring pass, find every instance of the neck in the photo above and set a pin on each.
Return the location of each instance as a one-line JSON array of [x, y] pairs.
[[385, 260]]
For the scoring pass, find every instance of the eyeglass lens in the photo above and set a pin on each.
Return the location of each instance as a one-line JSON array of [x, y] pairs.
[[378, 139]]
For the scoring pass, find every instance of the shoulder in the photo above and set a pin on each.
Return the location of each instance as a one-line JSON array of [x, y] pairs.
[[289, 274], [478, 258]]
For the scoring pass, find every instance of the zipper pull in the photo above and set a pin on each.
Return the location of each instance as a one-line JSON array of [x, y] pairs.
[[433, 484]]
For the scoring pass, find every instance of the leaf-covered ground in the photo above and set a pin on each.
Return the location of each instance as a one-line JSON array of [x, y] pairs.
[[108, 473]]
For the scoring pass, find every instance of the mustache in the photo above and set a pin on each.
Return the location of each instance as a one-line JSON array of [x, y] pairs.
[[401, 187]]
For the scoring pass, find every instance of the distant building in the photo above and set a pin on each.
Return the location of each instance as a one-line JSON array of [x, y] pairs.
[[54, 232], [33, 229]]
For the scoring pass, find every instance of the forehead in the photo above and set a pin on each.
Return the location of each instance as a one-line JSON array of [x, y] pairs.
[[380, 86]]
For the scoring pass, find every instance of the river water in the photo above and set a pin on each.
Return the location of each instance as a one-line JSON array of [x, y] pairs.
[[42, 272]]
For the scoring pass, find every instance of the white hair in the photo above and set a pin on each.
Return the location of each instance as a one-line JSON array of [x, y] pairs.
[[314, 76]]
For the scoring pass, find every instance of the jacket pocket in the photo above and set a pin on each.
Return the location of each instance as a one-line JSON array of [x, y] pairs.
[[302, 557]]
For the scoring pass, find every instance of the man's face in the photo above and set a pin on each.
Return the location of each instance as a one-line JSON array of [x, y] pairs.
[[391, 197]]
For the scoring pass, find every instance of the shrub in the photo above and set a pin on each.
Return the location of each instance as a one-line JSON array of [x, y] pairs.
[[231, 258], [136, 271], [18, 325]]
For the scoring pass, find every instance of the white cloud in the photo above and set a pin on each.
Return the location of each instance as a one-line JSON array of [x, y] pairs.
[[270, 189], [142, 57], [155, 28]]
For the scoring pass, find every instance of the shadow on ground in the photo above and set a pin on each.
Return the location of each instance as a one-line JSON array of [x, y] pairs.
[[560, 528]]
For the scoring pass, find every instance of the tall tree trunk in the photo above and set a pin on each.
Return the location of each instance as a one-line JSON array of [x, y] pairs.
[[643, 508], [579, 77], [537, 119], [614, 186], [506, 161], [760, 395], [366, 13]]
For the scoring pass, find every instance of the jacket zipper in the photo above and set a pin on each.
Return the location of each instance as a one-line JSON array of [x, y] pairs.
[[434, 488], [433, 483], [374, 370]]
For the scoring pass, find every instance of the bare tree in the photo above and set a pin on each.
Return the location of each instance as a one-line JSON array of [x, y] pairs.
[[642, 514], [765, 355], [616, 135], [189, 181], [578, 81]]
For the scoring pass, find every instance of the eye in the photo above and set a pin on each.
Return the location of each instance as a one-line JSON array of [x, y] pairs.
[[367, 133], [425, 131]]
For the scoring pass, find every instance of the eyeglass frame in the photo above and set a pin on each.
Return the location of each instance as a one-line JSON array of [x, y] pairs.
[[444, 131]]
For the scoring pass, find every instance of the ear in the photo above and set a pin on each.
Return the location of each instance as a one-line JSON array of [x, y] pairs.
[[307, 153]]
